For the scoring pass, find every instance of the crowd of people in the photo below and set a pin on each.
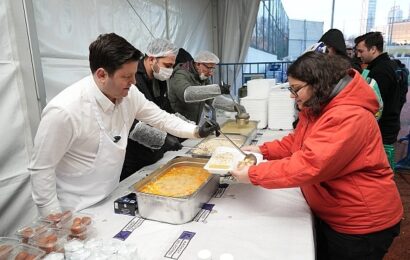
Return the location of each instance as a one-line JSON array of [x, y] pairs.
[[134, 107]]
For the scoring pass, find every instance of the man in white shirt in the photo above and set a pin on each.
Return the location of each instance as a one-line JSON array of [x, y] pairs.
[[80, 143]]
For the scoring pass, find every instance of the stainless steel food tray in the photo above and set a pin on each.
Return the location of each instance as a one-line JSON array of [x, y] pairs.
[[231, 127], [198, 152], [175, 210]]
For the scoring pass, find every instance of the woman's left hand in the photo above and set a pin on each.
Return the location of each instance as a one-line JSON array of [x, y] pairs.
[[241, 174]]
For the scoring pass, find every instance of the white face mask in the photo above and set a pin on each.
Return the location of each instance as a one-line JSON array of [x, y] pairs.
[[202, 76], [163, 73]]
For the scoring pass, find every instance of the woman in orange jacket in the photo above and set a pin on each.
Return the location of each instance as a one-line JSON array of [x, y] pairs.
[[336, 156]]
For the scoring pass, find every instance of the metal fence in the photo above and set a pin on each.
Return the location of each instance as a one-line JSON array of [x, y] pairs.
[[237, 74]]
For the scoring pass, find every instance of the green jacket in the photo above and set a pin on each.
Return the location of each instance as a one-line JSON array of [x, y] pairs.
[[185, 75]]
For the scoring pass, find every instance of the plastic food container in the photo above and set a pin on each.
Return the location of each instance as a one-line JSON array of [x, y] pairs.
[[51, 240], [26, 252], [6, 247], [56, 216], [79, 226], [32, 229], [223, 160], [226, 159]]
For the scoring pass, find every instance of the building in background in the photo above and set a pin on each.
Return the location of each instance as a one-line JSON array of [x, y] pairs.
[[400, 32], [398, 29], [395, 14], [271, 32], [302, 34], [367, 19]]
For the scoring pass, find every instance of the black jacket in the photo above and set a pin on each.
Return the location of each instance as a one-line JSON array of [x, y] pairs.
[[382, 69], [137, 155]]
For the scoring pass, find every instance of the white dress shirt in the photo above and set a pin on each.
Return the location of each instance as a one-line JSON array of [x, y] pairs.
[[68, 134]]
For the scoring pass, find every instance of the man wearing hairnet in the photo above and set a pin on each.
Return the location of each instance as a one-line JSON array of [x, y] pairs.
[[190, 91], [147, 144]]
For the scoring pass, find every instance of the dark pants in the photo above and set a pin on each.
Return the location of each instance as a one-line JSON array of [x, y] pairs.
[[332, 245], [138, 156]]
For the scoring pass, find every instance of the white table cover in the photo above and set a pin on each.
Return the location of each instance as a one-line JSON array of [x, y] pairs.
[[246, 221]]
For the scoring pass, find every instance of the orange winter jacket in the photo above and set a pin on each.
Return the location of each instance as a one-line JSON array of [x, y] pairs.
[[339, 162]]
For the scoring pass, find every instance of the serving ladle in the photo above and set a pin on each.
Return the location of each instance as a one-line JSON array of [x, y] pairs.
[[249, 158]]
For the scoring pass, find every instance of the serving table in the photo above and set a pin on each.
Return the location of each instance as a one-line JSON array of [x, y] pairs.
[[243, 220]]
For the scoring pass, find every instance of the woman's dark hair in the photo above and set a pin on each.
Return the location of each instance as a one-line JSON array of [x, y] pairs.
[[110, 51], [322, 72]]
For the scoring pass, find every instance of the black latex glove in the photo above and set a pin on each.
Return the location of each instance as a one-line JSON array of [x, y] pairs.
[[208, 128], [225, 88], [172, 143]]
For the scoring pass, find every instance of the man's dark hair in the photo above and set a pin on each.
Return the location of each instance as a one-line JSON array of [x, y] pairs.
[[371, 39], [110, 51], [322, 72]]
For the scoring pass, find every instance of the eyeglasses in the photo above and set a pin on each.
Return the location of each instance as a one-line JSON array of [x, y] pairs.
[[209, 68], [295, 92]]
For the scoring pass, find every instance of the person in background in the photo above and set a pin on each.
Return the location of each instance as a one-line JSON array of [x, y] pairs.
[[335, 43], [182, 57], [80, 143], [369, 48], [335, 155], [147, 144], [191, 92], [350, 51], [356, 62]]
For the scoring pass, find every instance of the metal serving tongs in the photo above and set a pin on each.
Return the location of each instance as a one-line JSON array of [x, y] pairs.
[[248, 156]]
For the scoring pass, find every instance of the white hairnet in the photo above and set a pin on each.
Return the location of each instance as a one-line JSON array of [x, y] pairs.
[[206, 57], [161, 48]]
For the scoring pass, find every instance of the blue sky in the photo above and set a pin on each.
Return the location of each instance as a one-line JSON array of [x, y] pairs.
[[347, 12]]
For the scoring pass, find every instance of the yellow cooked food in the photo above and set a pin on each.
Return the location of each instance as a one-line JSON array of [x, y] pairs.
[[179, 181], [231, 127]]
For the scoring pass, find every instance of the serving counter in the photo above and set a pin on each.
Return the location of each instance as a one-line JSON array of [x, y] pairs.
[[248, 222]]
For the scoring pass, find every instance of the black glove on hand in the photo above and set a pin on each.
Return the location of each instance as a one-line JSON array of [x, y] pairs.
[[208, 127], [225, 88], [172, 143]]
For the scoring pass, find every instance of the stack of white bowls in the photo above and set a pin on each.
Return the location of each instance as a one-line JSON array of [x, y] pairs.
[[257, 109], [259, 88], [281, 108], [256, 102]]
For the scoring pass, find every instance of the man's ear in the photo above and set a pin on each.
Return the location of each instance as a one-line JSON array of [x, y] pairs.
[[373, 50], [101, 75], [151, 60]]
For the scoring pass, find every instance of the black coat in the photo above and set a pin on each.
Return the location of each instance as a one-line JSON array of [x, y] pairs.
[[382, 69], [137, 155]]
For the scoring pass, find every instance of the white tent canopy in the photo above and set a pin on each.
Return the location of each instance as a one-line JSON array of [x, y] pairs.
[[44, 48]]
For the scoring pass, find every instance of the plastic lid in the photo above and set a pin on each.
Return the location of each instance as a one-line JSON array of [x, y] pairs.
[[204, 254]]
